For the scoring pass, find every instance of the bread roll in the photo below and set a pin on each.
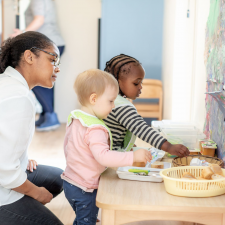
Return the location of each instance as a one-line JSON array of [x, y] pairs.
[[188, 175], [217, 176], [139, 164], [157, 165], [216, 169], [207, 173]]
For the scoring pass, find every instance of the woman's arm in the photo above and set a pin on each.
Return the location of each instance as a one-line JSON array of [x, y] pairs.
[[16, 123], [37, 22], [38, 12], [39, 193]]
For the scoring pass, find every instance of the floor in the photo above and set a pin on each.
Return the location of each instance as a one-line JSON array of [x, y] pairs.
[[47, 148]]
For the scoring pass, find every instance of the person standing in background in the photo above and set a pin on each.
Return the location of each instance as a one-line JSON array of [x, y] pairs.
[[40, 16]]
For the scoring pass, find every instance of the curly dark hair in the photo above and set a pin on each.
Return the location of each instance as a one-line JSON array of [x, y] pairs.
[[12, 49], [116, 66]]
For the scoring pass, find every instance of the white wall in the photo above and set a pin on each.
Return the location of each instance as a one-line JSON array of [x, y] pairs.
[[199, 69], [78, 22], [23, 6], [9, 17], [168, 56], [183, 60], [0, 16], [177, 59]]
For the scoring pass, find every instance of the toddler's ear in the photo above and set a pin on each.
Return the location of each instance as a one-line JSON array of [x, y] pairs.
[[93, 98]]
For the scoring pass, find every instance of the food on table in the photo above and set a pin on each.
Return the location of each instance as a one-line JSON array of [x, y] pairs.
[[188, 175], [217, 176], [207, 173], [139, 164], [216, 169], [157, 165]]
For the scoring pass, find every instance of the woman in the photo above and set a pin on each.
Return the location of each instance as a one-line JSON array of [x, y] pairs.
[[28, 60], [41, 16]]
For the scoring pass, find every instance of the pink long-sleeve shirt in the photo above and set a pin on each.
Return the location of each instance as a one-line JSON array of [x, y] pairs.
[[87, 154]]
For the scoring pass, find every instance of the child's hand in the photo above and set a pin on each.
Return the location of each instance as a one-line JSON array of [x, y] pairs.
[[179, 150], [142, 155]]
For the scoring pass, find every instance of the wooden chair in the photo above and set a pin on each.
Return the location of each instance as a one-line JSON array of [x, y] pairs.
[[151, 89]]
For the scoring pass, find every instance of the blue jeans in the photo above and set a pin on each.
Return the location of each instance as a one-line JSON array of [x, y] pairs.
[[83, 203], [46, 96], [28, 211]]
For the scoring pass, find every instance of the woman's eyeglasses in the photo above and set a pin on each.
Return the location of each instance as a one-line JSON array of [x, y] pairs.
[[56, 61]]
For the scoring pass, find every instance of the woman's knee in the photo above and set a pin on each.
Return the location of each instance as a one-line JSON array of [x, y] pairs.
[[52, 178], [58, 182]]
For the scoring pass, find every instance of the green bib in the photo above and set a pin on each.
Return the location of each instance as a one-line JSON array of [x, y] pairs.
[[129, 138], [88, 121]]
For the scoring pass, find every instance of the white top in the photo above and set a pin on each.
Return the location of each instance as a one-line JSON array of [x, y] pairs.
[[17, 124]]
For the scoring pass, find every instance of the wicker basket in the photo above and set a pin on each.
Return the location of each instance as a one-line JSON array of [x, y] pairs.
[[185, 161], [191, 188]]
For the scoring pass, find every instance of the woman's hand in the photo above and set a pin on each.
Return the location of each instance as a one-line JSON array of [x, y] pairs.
[[32, 165], [16, 32], [39, 193], [43, 196]]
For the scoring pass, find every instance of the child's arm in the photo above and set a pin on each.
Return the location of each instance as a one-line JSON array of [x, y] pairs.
[[97, 140], [129, 118]]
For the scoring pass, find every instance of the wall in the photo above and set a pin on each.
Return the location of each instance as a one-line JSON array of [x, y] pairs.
[[10, 14], [78, 22], [0, 18], [183, 60], [133, 27], [23, 6], [168, 56], [198, 99], [177, 60], [9, 17]]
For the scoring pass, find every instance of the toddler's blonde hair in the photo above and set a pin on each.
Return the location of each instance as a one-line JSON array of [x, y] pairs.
[[93, 81]]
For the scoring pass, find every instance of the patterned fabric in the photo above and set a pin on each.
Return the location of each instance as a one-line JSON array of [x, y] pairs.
[[124, 118]]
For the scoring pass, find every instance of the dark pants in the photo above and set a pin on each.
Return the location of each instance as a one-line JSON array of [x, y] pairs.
[[46, 96], [28, 211], [83, 204]]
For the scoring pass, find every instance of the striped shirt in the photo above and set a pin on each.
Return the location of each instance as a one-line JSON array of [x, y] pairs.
[[126, 118]]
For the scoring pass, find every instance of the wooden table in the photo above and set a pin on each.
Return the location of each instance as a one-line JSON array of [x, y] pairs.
[[124, 201]]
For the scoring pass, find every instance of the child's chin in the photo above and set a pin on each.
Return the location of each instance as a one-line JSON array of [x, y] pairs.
[[104, 117]]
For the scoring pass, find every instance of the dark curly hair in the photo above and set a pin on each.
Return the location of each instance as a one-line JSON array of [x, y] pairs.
[[116, 66], [12, 49]]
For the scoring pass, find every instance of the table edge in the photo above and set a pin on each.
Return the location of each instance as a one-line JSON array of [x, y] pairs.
[[160, 208]]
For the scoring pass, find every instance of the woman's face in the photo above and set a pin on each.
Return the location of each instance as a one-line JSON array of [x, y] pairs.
[[45, 71]]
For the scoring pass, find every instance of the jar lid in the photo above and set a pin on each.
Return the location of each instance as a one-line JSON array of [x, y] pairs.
[[209, 145]]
